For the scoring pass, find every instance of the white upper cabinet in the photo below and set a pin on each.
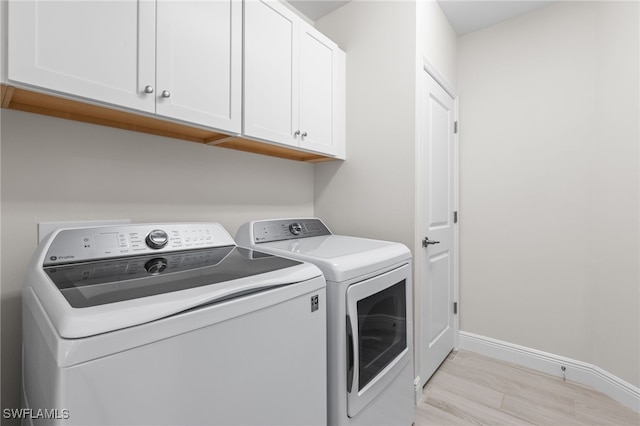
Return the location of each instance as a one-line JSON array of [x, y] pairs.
[[106, 51], [322, 93], [199, 62], [182, 60], [270, 54], [99, 50], [293, 81]]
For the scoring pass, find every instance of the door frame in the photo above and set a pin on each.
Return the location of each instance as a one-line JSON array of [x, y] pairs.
[[426, 66]]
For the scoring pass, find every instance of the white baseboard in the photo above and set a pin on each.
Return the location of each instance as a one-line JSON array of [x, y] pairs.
[[576, 371]]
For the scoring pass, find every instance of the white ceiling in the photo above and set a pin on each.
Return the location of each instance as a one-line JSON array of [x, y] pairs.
[[316, 9], [465, 16]]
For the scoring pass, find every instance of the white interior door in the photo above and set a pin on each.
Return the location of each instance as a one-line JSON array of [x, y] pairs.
[[437, 256]]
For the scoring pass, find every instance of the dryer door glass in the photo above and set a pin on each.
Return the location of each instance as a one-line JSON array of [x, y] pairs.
[[382, 330]]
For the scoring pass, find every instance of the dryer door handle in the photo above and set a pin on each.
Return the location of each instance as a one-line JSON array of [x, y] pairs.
[[350, 359]]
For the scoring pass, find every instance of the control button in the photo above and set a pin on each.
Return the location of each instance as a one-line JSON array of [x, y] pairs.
[[156, 266], [295, 228], [157, 239]]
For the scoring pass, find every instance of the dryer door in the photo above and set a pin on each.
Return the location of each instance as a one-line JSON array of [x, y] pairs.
[[377, 335]]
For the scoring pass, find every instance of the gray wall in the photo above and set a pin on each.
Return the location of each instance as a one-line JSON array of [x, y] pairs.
[[374, 187], [385, 42], [548, 157], [373, 193], [549, 187], [58, 170]]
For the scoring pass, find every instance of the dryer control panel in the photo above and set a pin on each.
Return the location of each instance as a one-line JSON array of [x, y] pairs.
[[265, 231], [104, 242]]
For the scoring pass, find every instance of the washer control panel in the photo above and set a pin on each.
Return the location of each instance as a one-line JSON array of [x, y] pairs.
[[104, 242], [265, 231]]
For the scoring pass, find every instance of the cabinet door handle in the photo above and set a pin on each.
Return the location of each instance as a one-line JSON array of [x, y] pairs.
[[148, 89], [166, 94], [296, 133], [304, 135]]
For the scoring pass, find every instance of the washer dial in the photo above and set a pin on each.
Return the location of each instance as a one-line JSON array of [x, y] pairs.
[[295, 228], [156, 266], [157, 239]]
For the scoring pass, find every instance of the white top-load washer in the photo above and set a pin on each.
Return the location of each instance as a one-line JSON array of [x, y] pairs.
[[170, 324], [369, 316]]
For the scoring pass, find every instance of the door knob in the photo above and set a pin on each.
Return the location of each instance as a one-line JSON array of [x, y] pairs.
[[426, 242], [166, 94], [148, 89]]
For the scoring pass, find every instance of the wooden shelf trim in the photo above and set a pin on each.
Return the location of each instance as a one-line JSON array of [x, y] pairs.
[[44, 104]]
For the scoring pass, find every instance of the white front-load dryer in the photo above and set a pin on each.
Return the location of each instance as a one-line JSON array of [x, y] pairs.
[[369, 316], [170, 324]]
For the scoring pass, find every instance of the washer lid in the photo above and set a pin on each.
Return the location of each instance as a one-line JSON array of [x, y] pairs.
[[91, 284], [90, 298], [339, 257]]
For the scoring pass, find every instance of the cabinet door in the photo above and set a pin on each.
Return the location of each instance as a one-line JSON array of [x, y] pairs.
[[322, 70], [199, 69], [270, 74], [95, 49]]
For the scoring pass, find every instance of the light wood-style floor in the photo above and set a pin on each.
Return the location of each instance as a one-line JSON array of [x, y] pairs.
[[472, 389]]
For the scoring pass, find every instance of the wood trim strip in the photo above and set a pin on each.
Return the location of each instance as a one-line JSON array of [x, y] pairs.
[[6, 95], [256, 147], [101, 121], [38, 103], [218, 140], [54, 106]]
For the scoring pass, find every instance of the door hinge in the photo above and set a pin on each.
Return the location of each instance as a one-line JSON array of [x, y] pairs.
[[455, 127], [455, 308], [455, 217]]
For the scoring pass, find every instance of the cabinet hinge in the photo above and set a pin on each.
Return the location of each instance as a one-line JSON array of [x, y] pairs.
[[455, 217], [455, 127], [455, 308]]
